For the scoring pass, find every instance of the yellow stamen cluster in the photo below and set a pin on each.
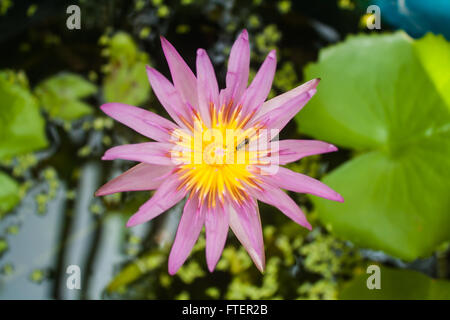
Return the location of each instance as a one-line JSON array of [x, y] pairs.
[[214, 162]]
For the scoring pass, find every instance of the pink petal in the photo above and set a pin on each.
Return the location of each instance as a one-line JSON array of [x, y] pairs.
[[279, 117], [140, 177], [208, 90], [246, 225], [297, 182], [216, 227], [191, 223], [182, 76], [238, 68], [285, 97], [293, 150], [166, 196], [145, 122], [279, 199], [259, 89], [149, 152], [168, 96]]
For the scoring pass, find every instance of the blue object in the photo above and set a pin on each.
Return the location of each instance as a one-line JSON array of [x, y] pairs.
[[417, 17]]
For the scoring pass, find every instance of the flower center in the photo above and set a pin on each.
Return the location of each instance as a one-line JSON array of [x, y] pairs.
[[215, 163]]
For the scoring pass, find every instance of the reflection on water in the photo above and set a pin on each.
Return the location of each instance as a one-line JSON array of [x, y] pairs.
[[33, 251]]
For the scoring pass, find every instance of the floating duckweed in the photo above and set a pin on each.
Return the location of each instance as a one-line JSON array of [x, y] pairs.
[[254, 21], [268, 39], [113, 198], [231, 27], [284, 6], [242, 288], [96, 209], [134, 239], [106, 140], [13, 229], [165, 280], [84, 151], [50, 173], [103, 40], [131, 251], [51, 177], [67, 126], [42, 200], [283, 243], [199, 245], [327, 256], [153, 261], [183, 295], [37, 276], [8, 269], [52, 39], [183, 28], [24, 162], [108, 123], [346, 4], [86, 125], [213, 292], [269, 232], [92, 76], [234, 260], [163, 11], [98, 124], [31, 10], [71, 194], [24, 187], [145, 32], [191, 271], [139, 5], [3, 246], [4, 6], [322, 289], [286, 77]]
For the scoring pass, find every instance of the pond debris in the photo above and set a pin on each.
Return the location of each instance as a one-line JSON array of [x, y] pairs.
[[52, 185]]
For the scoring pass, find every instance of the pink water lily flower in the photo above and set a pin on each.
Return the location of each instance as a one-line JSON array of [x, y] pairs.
[[193, 157]]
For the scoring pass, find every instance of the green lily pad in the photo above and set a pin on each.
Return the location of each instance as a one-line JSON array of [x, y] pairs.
[[434, 53], [22, 127], [397, 285], [377, 98], [61, 96], [126, 78], [9, 193]]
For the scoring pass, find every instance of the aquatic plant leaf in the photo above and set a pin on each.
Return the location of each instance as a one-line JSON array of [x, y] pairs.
[[376, 98], [396, 285], [61, 95], [21, 124], [434, 53], [9, 193], [126, 79]]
